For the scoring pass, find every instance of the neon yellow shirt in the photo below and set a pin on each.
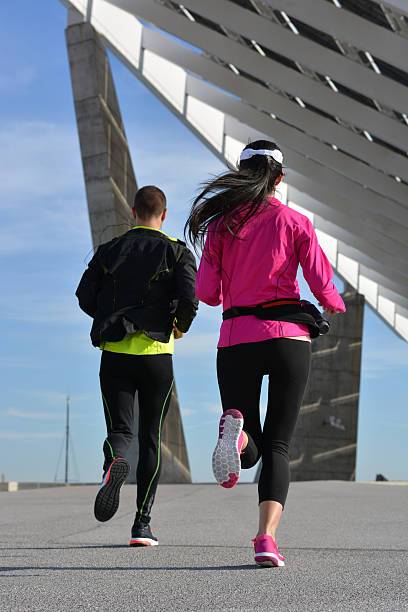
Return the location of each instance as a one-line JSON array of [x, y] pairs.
[[139, 343]]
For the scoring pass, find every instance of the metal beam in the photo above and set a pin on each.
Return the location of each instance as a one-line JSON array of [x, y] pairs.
[[268, 70], [347, 168], [400, 5], [311, 123], [215, 129], [347, 245], [349, 28], [372, 239], [332, 204], [356, 76]]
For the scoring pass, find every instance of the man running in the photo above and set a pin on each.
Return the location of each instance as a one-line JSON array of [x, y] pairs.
[[139, 290]]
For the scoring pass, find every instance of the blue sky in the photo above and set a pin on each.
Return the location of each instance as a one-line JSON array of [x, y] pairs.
[[45, 241]]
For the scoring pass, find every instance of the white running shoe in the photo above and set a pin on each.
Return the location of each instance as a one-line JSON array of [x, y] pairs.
[[226, 462]]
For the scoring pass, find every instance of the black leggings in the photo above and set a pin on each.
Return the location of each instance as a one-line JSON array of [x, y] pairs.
[[240, 370], [151, 376]]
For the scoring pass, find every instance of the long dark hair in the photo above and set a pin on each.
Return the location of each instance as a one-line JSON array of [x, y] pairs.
[[247, 188]]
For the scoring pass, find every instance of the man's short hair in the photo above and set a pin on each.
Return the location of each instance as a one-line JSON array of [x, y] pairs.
[[150, 201]]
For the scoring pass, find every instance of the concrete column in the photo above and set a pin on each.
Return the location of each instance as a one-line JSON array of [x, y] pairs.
[[325, 441], [110, 188]]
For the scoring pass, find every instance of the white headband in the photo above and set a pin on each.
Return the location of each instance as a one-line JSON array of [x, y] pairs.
[[275, 154]]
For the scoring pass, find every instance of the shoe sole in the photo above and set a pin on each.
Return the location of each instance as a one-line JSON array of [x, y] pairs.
[[226, 463], [268, 560], [143, 542], [107, 499]]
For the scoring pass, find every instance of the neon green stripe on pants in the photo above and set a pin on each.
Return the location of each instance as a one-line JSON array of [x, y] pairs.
[[158, 453]]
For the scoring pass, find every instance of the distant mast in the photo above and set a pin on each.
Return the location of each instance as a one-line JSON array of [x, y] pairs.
[[67, 442]]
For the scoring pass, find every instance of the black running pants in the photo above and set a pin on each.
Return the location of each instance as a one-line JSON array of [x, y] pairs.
[[151, 377], [240, 370]]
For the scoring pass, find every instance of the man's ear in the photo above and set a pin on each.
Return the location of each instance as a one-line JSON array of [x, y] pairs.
[[134, 213], [164, 213], [278, 180]]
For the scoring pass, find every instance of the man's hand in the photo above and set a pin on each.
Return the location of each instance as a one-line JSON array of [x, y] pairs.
[[177, 333], [331, 311]]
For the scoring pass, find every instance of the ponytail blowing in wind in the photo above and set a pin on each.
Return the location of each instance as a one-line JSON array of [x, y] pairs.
[[246, 188]]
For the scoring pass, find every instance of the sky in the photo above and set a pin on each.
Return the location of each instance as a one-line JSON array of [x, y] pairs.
[[45, 242]]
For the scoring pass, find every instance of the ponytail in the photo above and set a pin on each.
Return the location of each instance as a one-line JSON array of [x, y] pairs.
[[245, 188]]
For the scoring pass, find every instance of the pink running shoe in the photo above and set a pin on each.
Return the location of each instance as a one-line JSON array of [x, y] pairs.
[[266, 552], [226, 462]]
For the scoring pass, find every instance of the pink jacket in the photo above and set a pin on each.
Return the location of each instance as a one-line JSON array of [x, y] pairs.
[[261, 266]]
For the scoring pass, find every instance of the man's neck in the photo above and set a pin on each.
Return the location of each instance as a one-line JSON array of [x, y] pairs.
[[152, 223]]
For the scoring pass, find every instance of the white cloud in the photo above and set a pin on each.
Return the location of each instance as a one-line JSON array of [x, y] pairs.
[[19, 362], [211, 313], [186, 412], [172, 161], [394, 425], [49, 396], [217, 408], [19, 79], [40, 309], [15, 412], [377, 362], [196, 345], [19, 435], [57, 397], [42, 196], [213, 408], [38, 159], [202, 424]]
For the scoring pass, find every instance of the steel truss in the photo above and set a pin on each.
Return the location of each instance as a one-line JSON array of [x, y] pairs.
[[238, 70]]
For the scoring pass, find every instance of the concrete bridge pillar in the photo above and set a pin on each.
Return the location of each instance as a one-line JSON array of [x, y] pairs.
[[110, 188]]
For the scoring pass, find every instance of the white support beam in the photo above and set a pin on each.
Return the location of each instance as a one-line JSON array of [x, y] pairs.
[[371, 219], [311, 123], [347, 27], [332, 239], [372, 239], [267, 69], [370, 267], [358, 251], [399, 5], [356, 76], [390, 306], [382, 189], [331, 206], [372, 242]]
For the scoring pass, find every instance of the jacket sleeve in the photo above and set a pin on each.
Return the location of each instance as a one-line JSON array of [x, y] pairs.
[[316, 267], [208, 281], [185, 272], [88, 288]]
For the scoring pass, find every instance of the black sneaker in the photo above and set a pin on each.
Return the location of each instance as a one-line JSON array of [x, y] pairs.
[[107, 499], [142, 535]]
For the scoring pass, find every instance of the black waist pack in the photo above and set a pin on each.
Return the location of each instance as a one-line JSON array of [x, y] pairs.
[[290, 310]]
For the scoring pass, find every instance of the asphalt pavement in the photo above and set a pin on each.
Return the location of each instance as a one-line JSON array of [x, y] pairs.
[[345, 546]]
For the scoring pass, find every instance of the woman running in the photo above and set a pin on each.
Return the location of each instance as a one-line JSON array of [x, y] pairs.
[[253, 247]]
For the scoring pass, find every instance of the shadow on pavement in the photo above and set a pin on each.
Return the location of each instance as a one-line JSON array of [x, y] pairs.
[[129, 569], [202, 546]]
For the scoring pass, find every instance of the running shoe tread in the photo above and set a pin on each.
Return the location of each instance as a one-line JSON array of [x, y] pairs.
[[226, 461], [107, 499]]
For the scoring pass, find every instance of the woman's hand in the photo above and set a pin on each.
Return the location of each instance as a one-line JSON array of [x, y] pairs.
[[177, 333], [331, 311]]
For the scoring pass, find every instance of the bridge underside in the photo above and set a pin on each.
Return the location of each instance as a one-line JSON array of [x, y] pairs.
[[327, 80]]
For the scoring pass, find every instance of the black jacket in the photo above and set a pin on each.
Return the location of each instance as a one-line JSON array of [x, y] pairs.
[[142, 280]]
